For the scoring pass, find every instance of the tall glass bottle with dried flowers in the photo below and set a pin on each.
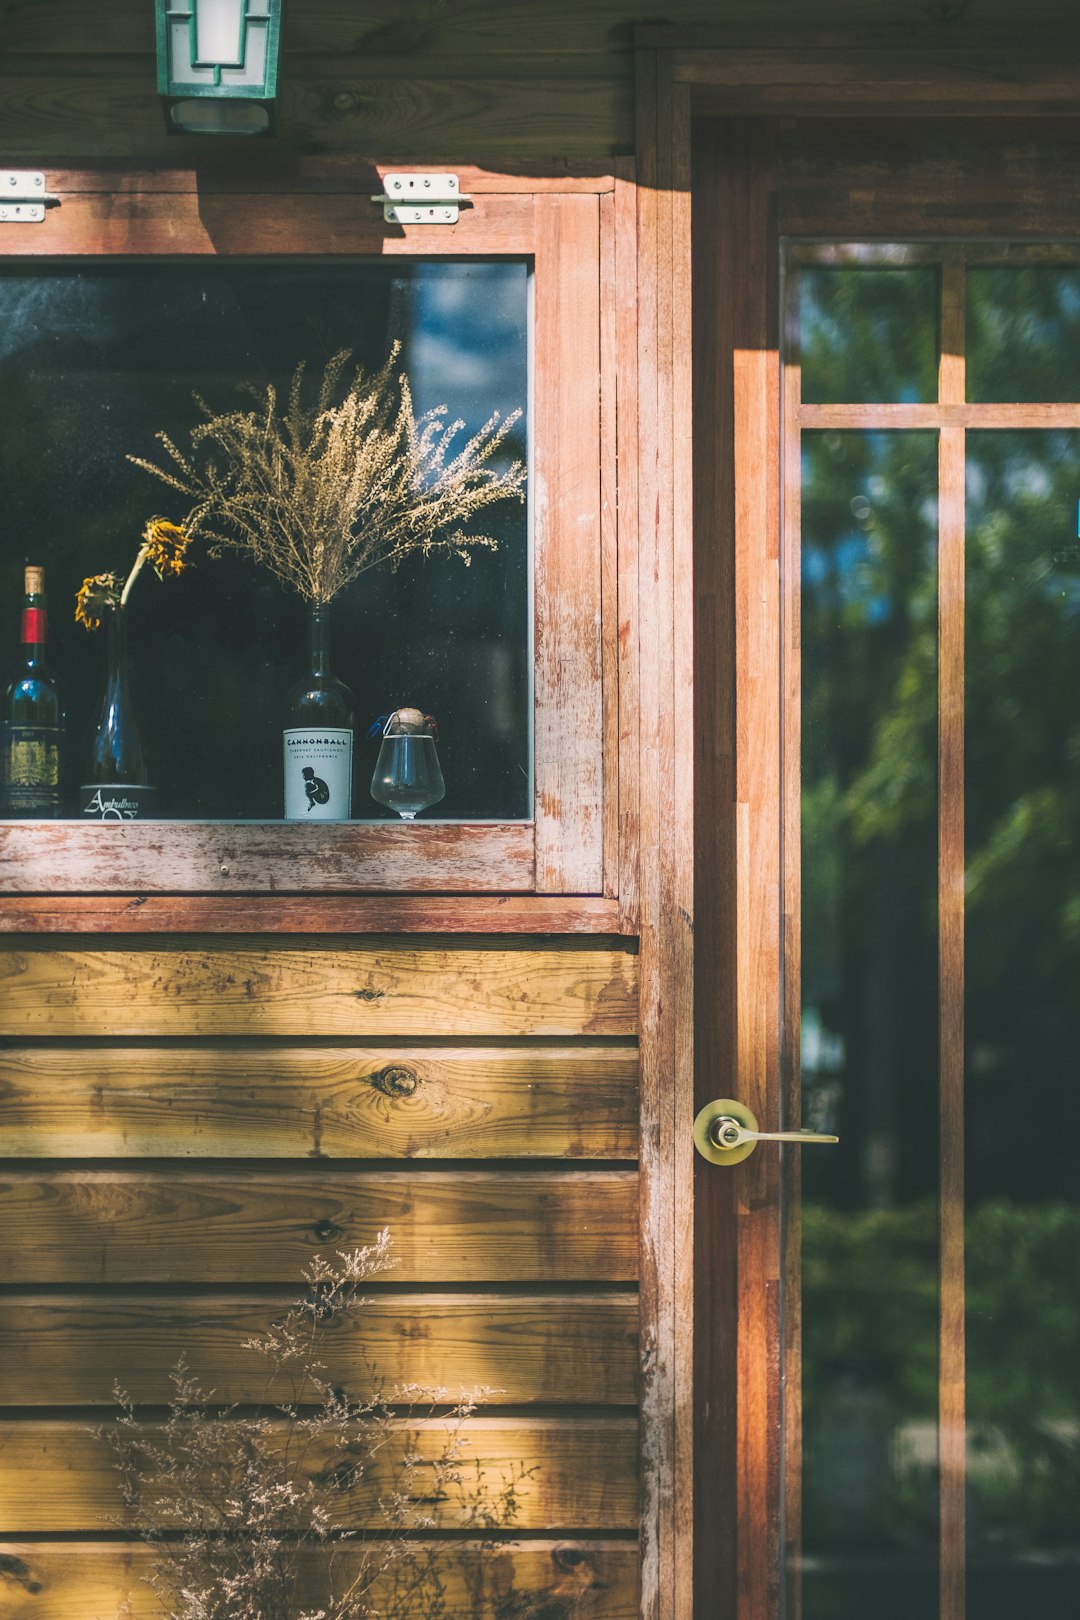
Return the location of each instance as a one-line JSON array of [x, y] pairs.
[[318, 736], [338, 481], [118, 786]]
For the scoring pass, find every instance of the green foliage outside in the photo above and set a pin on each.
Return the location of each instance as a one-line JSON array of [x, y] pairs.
[[871, 1309]]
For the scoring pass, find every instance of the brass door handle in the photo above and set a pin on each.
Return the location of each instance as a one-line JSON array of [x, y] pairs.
[[726, 1132]]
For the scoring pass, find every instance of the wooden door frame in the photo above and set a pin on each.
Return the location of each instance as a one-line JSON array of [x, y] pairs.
[[712, 903]]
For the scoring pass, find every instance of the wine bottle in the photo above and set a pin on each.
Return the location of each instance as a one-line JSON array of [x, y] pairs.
[[118, 788], [318, 737], [32, 745]]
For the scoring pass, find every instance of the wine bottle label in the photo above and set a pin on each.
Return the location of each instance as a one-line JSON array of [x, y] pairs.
[[117, 801], [30, 769], [318, 773]]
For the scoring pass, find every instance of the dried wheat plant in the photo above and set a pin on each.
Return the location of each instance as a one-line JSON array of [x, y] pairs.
[[322, 491], [246, 1510]]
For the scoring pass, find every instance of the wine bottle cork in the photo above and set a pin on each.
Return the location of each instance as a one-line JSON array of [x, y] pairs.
[[34, 581]]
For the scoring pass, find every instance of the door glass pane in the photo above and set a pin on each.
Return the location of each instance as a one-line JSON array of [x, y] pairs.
[[95, 358], [1022, 983], [1023, 332], [869, 1023], [868, 334]]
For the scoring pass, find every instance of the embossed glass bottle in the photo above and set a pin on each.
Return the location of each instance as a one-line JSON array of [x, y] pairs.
[[118, 784]]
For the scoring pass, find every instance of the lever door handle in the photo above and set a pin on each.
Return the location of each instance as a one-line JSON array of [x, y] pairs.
[[726, 1132]]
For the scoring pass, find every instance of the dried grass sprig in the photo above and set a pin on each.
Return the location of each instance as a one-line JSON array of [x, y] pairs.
[[235, 1502], [321, 491]]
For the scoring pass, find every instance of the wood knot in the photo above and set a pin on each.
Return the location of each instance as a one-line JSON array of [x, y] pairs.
[[325, 1230], [14, 1569], [395, 1080]]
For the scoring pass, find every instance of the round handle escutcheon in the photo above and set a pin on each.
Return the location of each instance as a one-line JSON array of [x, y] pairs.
[[726, 1132]]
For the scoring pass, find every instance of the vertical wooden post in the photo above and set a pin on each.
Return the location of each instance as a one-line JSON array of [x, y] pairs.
[[737, 546], [665, 888]]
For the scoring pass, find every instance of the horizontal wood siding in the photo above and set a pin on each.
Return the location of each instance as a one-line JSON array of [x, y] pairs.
[[75, 1580], [549, 1347], [464, 79], [321, 1102], [241, 1225], [187, 1122], [370, 989], [60, 1476]]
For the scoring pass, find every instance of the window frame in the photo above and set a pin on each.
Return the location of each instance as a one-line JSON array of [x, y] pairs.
[[323, 209]]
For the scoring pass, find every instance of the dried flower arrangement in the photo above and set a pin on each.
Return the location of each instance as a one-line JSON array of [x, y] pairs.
[[236, 1504], [323, 490], [164, 546]]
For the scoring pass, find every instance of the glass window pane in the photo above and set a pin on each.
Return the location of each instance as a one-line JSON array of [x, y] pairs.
[[1022, 750], [868, 335], [869, 1023], [94, 359], [1023, 332]]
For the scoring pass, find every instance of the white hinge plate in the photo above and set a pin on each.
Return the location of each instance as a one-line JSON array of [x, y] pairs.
[[22, 196], [421, 199]]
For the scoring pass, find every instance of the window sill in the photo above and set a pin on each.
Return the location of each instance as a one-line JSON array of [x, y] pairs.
[[206, 857]]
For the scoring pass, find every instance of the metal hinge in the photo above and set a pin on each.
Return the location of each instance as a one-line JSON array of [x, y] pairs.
[[23, 196], [421, 199]]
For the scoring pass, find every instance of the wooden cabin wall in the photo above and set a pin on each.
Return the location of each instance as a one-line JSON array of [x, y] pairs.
[[448, 80], [188, 1122]]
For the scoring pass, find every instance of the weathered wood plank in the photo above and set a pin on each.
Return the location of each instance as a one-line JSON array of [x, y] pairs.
[[563, 1349], [628, 686], [720, 326], [609, 537], [565, 500], [321, 1102], [92, 1580], [1019, 80], [59, 1477], [65, 112], [651, 616], [144, 857], [282, 172], [316, 68], [187, 1226], [866, 183], [376, 987], [488, 30], [307, 914]]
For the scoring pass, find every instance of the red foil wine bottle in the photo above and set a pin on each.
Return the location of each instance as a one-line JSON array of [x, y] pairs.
[[32, 733]]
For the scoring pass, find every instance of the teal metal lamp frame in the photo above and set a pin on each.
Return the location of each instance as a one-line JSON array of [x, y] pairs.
[[182, 77]]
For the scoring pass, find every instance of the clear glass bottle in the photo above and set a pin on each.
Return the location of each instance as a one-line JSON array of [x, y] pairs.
[[118, 782], [32, 737], [318, 736], [408, 776]]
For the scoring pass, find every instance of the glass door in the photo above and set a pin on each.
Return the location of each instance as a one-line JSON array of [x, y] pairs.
[[932, 822]]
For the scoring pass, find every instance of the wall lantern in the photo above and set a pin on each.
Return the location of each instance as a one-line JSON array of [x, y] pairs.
[[217, 63]]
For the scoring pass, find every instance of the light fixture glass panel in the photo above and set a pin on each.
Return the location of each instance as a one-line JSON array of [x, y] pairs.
[[252, 71], [219, 32]]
